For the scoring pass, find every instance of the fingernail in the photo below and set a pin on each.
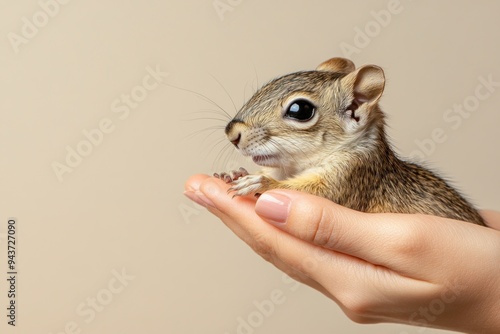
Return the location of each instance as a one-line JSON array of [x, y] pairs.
[[193, 186], [273, 207], [199, 198], [204, 199]]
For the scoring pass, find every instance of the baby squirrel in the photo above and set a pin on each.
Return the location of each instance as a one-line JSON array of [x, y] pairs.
[[323, 132]]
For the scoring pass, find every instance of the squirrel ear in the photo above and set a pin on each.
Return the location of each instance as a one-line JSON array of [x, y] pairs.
[[339, 65], [366, 84]]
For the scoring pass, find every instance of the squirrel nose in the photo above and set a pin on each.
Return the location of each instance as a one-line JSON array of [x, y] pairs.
[[233, 135], [231, 124], [236, 140]]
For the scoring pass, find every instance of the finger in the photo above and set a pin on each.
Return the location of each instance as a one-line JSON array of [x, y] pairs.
[[239, 215], [194, 182], [345, 279], [323, 223], [492, 218], [395, 241], [297, 275], [405, 243], [214, 186], [295, 257]]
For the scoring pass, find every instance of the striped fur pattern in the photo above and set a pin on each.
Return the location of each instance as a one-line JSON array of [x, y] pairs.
[[341, 152]]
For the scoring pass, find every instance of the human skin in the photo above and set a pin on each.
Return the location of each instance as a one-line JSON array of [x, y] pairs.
[[413, 269]]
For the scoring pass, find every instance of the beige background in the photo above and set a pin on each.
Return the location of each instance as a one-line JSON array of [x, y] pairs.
[[122, 208]]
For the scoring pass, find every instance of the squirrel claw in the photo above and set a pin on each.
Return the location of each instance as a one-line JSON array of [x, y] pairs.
[[242, 183], [232, 175], [249, 184]]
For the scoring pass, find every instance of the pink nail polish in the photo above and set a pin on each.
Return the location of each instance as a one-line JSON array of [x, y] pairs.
[[273, 207], [199, 198], [204, 199]]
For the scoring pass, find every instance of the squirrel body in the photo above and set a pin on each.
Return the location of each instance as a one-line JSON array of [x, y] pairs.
[[323, 132]]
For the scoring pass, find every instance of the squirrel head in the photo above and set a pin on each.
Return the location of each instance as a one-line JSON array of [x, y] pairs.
[[310, 113]]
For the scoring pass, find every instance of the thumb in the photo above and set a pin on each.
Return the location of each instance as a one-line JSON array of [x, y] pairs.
[[323, 223]]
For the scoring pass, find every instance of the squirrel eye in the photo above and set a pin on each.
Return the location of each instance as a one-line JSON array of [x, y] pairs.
[[301, 110]]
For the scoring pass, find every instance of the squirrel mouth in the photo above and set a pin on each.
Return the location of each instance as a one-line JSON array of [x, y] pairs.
[[265, 160]]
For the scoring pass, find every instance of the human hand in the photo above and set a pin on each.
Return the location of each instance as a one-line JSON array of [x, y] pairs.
[[413, 269]]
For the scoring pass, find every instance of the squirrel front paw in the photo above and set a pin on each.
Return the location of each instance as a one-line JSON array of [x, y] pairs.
[[250, 184], [232, 175], [242, 183]]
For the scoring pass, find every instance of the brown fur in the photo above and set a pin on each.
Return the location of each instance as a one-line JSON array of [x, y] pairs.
[[342, 153]]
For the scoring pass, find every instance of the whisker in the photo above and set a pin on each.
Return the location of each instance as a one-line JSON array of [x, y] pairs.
[[211, 111], [214, 129], [281, 150], [219, 115], [225, 90], [207, 99], [223, 156], [256, 77], [204, 119], [298, 144], [219, 142]]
